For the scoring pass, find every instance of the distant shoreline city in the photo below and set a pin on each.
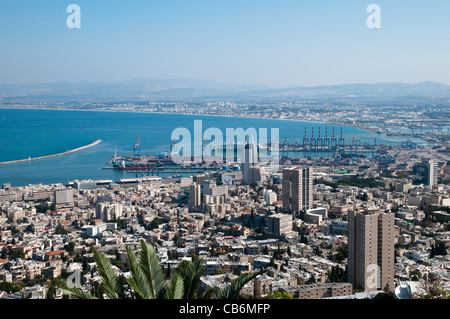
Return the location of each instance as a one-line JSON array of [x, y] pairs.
[[24, 107]]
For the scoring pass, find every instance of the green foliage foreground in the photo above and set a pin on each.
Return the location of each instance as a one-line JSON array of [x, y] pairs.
[[148, 280]]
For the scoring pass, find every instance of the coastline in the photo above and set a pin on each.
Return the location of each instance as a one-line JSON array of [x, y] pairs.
[[22, 107], [53, 155]]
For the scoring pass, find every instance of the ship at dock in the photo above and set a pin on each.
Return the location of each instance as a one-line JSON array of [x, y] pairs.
[[159, 163], [138, 162], [162, 163]]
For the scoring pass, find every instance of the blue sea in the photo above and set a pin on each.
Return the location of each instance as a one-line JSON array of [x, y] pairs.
[[37, 132]]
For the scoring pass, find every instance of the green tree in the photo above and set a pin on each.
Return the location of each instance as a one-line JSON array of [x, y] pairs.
[[384, 295], [342, 253], [311, 280], [71, 247], [432, 290], [156, 222], [278, 295], [6, 287], [52, 289], [16, 253], [414, 275], [303, 239], [337, 274], [438, 249], [61, 231], [317, 251]]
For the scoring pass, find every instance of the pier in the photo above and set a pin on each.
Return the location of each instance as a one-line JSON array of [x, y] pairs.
[[53, 155]]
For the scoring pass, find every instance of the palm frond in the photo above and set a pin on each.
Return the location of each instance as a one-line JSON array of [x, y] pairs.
[[192, 274], [181, 268], [208, 293], [77, 292], [232, 290], [110, 281], [152, 270], [175, 289], [138, 281]]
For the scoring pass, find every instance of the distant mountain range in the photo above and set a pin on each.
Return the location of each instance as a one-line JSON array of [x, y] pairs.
[[199, 90]]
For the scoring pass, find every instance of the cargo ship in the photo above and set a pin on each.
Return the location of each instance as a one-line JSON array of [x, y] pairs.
[[138, 162], [123, 165]]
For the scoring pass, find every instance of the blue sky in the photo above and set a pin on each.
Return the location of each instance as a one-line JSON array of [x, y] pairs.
[[261, 42]]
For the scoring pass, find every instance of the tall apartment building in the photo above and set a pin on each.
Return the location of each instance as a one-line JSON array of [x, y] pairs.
[[371, 249], [403, 186], [270, 196], [279, 224], [109, 211], [210, 188], [198, 178], [16, 213], [426, 172], [256, 174], [195, 195], [64, 198], [297, 189], [250, 159], [327, 290]]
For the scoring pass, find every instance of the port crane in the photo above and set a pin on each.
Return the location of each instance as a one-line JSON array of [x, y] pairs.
[[137, 147]]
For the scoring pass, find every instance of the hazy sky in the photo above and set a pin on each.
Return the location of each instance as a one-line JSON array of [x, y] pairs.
[[277, 42]]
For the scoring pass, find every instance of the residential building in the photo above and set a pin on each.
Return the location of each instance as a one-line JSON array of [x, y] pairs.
[[426, 172], [195, 195], [371, 249], [250, 158], [297, 189]]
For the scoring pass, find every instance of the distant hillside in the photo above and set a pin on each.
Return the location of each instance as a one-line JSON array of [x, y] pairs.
[[145, 89]]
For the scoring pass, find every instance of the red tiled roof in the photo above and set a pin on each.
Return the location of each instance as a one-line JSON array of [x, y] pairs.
[[53, 253]]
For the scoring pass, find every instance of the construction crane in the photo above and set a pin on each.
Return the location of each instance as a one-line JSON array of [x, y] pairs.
[[137, 147]]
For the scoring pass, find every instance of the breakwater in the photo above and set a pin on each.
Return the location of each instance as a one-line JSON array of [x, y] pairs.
[[53, 155]]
